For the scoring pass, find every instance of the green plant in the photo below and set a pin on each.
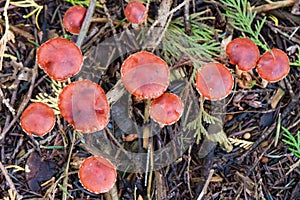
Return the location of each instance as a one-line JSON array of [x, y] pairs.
[[30, 3], [242, 19], [199, 48], [293, 141], [297, 62], [82, 3]]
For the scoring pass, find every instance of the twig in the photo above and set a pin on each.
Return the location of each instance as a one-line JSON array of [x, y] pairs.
[[273, 6], [23, 104], [86, 23], [165, 16], [204, 190], [150, 171], [188, 170], [263, 136], [65, 181], [6, 103], [163, 33], [9, 181], [4, 39], [18, 31], [186, 18], [111, 24], [293, 167]]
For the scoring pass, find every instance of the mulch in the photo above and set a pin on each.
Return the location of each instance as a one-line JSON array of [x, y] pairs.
[[266, 169]]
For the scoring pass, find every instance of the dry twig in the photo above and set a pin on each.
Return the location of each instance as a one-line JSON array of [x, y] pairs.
[[5, 37], [9, 181]]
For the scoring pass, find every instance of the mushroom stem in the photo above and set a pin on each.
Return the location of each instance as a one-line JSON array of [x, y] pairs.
[[263, 83], [146, 130], [238, 72]]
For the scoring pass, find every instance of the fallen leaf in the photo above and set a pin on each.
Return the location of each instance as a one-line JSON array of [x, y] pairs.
[[38, 171]]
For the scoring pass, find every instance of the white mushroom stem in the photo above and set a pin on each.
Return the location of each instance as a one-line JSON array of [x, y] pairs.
[[264, 83], [238, 72]]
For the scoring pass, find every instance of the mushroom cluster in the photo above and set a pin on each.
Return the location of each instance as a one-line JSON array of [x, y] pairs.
[[146, 76], [272, 66], [83, 104], [214, 81]]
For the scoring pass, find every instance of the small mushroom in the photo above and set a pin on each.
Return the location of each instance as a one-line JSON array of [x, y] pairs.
[[136, 12], [97, 174], [244, 53], [166, 109], [59, 58], [214, 81], [145, 75], [37, 119], [84, 105], [273, 66], [73, 19]]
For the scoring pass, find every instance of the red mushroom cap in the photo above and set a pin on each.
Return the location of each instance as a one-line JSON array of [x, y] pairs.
[[273, 66], [59, 58], [145, 75], [73, 19], [214, 81], [136, 12], [243, 52], [166, 109], [37, 119], [97, 174], [84, 105]]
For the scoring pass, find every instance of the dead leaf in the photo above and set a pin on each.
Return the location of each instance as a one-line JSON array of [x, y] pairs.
[[38, 171]]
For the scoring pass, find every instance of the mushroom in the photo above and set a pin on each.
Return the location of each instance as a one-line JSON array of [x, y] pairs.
[[59, 58], [166, 109], [37, 119], [214, 81], [84, 105], [145, 75], [244, 53], [73, 19], [273, 66], [136, 12], [97, 174]]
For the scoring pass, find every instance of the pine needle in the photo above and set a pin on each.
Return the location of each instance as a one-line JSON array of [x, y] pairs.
[[243, 19], [199, 48], [241, 143], [292, 141]]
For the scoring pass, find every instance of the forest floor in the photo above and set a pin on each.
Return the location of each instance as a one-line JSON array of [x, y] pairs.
[[256, 155]]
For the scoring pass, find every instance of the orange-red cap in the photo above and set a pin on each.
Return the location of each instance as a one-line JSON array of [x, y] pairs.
[[243, 52], [166, 109], [73, 19], [214, 81], [59, 58], [97, 174], [84, 105], [37, 119], [136, 12], [273, 66], [145, 75]]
